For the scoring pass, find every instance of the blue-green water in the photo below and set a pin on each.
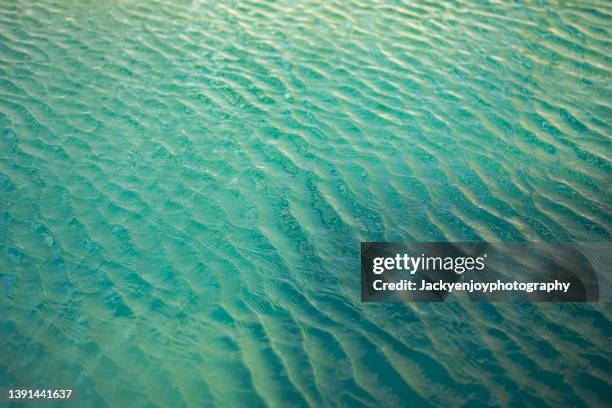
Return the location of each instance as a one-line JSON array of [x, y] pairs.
[[184, 186]]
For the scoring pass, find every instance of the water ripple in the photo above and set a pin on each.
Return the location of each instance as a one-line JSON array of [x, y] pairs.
[[184, 185]]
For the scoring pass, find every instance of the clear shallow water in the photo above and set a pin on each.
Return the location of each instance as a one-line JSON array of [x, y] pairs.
[[184, 186]]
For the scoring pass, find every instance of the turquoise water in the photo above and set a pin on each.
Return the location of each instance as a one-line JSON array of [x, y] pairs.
[[184, 186]]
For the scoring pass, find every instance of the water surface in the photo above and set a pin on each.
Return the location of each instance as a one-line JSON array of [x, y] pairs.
[[184, 186]]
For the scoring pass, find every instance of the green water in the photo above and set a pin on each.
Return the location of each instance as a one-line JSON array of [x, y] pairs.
[[184, 186]]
